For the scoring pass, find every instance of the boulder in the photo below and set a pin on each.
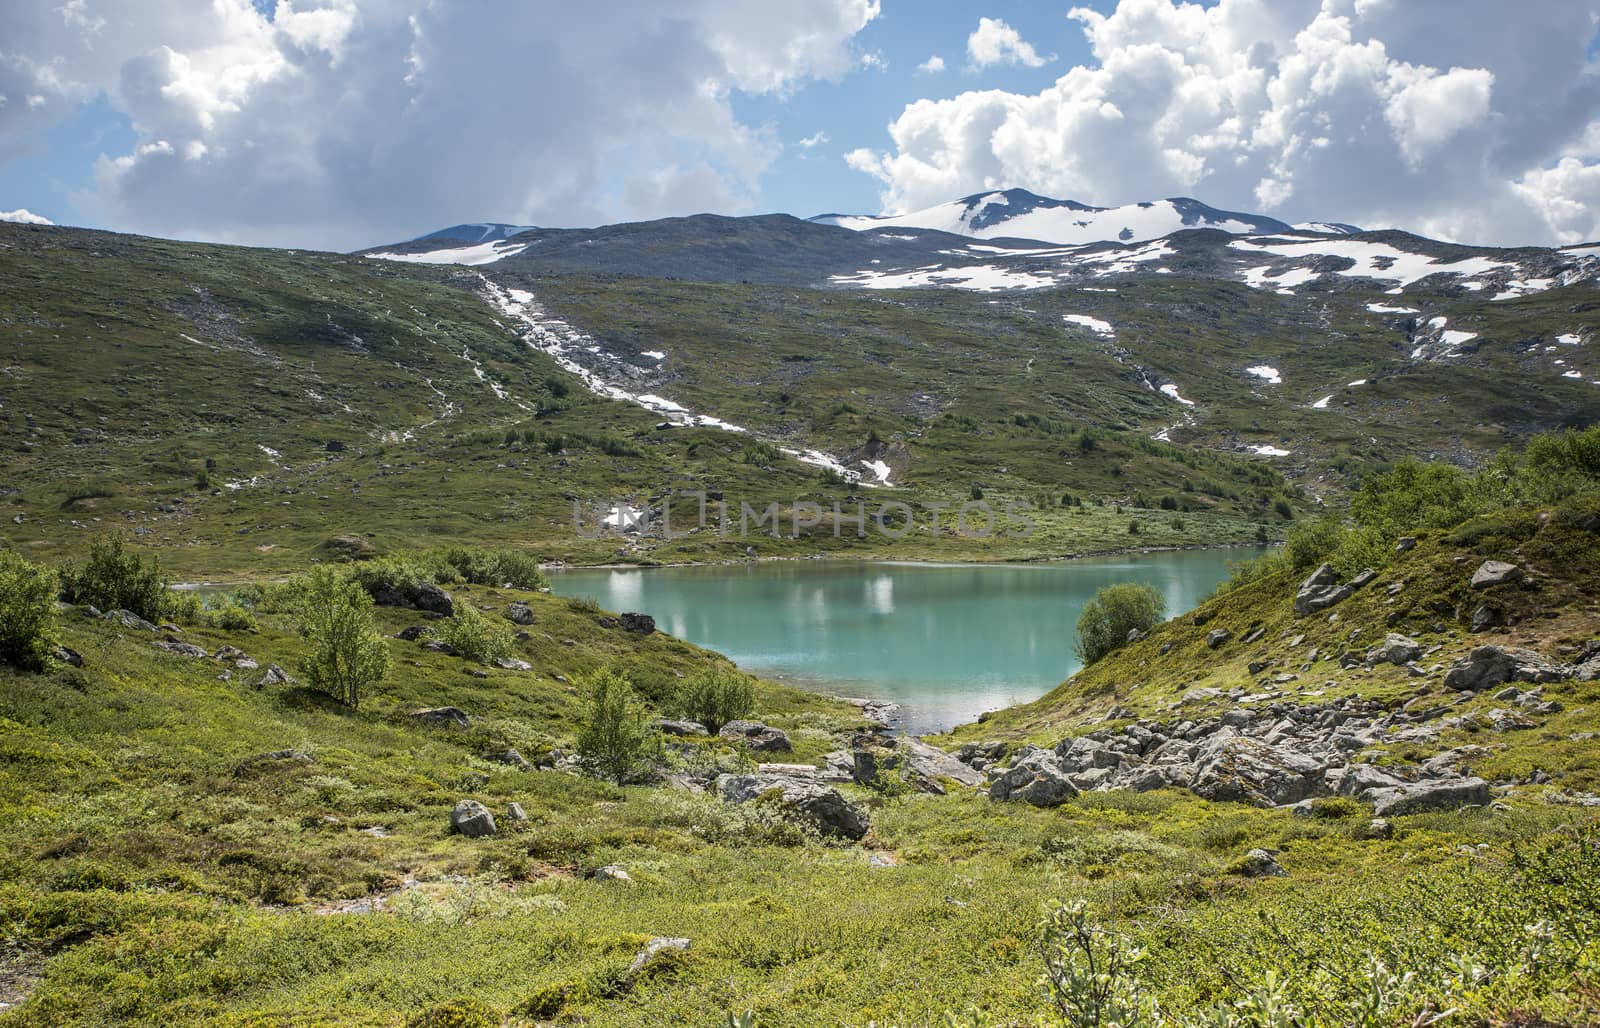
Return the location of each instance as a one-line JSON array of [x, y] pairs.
[[512, 664], [1260, 863], [1237, 768], [1396, 649], [273, 675], [68, 656], [514, 812], [1405, 544], [644, 624], [1216, 637], [811, 802], [410, 633], [1441, 794], [1320, 590], [657, 951], [1489, 666], [932, 763], [1036, 778], [472, 819], [428, 596], [444, 717], [1492, 573], [519, 613], [668, 726], [511, 758], [182, 649], [757, 736], [128, 619]]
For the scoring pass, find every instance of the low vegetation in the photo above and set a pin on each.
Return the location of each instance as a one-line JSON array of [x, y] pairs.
[[27, 612], [1115, 616], [715, 697]]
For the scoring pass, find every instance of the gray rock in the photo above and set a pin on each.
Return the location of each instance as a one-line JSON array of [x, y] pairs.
[[1442, 794], [1484, 617], [668, 726], [812, 802], [656, 951], [612, 873], [1231, 767], [1320, 590], [273, 675], [68, 656], [1489, 666], [1360, 780], [519, 613], [1036, 778], [644, 624], [443, 717], [932, 763], [1216, 637], [1396, 649], [428, 596], [1260, 863], [1405, 544], [182, 649], [512, 664], [1492, 573], [472, 819], [514, 812], [757, 737], [511, 758], [128, 619]]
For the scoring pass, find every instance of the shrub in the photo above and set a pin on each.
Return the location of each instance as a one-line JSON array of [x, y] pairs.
[[716, 697], [475, 636], [229, 616], [27, 612], [115, 578], [494, 567], [1112, 614], [615, 742], [347, 656]]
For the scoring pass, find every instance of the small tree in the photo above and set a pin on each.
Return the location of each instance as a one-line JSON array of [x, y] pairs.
[[716, 697], [116, 578], [347, 654], [27, 612], [1116, 611], [476, 637], [616, 742]]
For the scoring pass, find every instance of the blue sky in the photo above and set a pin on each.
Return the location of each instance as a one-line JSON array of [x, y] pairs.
[[349, 123]]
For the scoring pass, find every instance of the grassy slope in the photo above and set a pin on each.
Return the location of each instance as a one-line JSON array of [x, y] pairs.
[[144, 879]]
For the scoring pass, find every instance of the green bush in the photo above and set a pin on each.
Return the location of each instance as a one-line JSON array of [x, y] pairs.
[[1112, 614], [615, 742], [502, 567], [230, 616], [347, 656], [116, 578], [476, 637], [717, 696], [27, 612]]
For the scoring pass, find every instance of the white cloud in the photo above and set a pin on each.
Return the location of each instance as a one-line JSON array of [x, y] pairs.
[[814, 140], [1427, 114], [873, 60], [344, 123], [995, 42], [932, 66], [25, 217]]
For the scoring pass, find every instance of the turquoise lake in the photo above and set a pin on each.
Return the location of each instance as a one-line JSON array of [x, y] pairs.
[[946, 642]]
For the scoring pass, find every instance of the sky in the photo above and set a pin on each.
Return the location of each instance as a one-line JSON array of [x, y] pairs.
[[342, 124]]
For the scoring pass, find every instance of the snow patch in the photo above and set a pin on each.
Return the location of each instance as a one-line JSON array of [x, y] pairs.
[[1170, 390], [1322, 404], [1092, 324], [1270, 451], [482, 253], [1266, 373], [1384, 308]]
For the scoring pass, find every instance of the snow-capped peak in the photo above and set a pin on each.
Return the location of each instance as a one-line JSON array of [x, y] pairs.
[[474, 232], [1019, 214]]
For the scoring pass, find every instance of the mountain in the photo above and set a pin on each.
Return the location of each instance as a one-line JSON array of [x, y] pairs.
[[476, 232], [1019, 214]]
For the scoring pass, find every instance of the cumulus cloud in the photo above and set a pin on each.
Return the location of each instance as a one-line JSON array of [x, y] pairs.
[[1423, 114], [814, 140], [932, 66], [23, 216], [995, 42], [349, 122]]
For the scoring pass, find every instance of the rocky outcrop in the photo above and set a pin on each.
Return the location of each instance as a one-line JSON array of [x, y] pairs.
[[519, 613], [1396, 649], [808, 801], [472, 819], [1320, 591], [668, 726], [1274, 755], [442, 717], [757, 737], [1494, 573], [1489, 666], [643, 624]]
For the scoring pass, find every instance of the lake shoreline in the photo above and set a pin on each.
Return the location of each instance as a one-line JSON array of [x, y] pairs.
[[1127, 551]]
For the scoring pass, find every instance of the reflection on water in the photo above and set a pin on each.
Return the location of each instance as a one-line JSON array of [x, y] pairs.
[[947, 642]]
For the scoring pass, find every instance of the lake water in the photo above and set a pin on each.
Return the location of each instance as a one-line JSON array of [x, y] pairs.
[[946, 642]]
